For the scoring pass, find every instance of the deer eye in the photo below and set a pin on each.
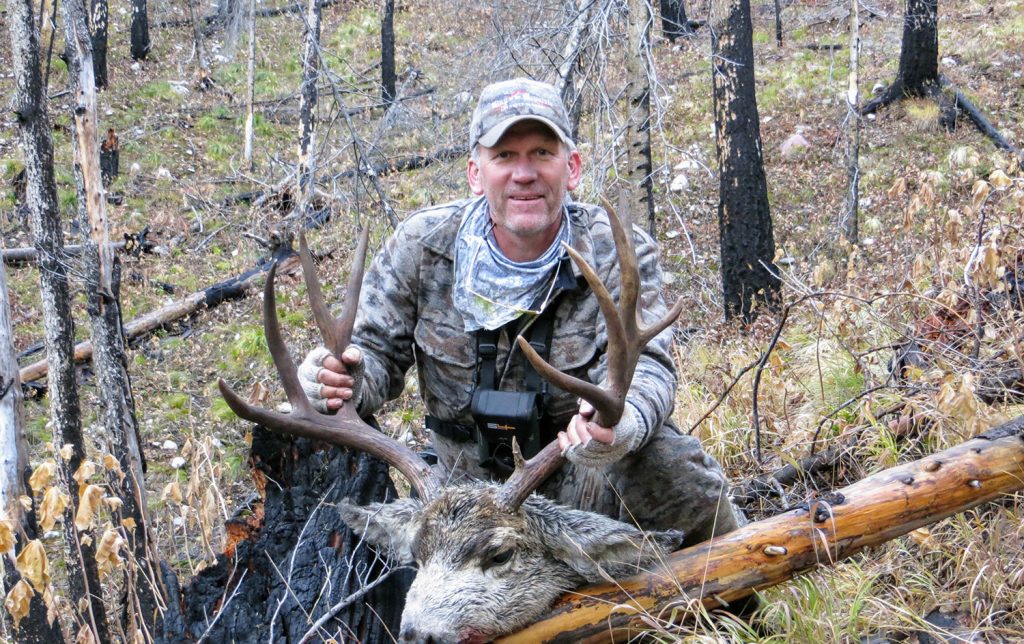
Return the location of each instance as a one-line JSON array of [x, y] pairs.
[[501, 557]]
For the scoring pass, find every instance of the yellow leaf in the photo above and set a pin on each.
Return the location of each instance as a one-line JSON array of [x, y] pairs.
[[113, 502], [173, 492], [897, 188], [17, 601], [32, 565], [128, 522], [999, 180], [88, 502], [979, 192], [107, 557], [85, 636], [84, 472], [6, 536], [42, 476], [110, 462], [67, 452], [26, 502], [52, 508]]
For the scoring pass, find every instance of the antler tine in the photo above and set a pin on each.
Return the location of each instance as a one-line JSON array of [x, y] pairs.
[[336, 333], [626, 340], [346, 428]]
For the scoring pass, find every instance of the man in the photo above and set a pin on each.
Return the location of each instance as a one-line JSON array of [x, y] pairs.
[[455, 285]]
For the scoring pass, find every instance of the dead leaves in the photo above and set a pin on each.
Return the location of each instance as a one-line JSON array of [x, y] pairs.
[[33, 566], [17, 601]]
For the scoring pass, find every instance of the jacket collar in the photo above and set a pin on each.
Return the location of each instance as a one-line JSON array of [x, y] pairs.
[[441, 237]]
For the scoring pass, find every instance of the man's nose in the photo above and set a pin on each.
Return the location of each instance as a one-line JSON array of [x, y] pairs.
[[524, 172]]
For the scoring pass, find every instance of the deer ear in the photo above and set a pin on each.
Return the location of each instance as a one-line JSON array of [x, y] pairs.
[[388, 527], [595, 546]]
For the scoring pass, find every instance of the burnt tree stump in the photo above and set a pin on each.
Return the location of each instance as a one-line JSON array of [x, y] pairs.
[[292, 559]]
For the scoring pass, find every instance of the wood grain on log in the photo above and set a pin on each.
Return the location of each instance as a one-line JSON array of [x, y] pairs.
[[876, 509]]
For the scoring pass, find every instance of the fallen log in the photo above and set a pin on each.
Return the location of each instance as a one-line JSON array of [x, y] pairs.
[[131, 244], [209, 297], [872, 511]]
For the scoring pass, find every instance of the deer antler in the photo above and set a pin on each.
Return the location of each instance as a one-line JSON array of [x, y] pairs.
[[346, 428], [626, 340]]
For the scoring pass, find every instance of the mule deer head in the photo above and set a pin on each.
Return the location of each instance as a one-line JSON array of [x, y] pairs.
[[491, 558]]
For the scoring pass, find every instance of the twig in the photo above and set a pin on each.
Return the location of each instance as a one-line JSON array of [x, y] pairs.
[[335, 609]]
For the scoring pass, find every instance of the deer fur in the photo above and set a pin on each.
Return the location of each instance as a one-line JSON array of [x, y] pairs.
[[485, 571]]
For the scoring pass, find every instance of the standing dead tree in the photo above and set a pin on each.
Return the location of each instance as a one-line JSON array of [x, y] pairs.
[[306, 174], [98, 22], [674, 23], [849, 216], [387, 53], [44, 219], [918, 75], [101, 275], [640, 166], [250, 90], [744, 220], [140, 43]]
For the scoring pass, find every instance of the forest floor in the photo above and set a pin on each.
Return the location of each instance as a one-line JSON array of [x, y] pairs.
[[941, 225]]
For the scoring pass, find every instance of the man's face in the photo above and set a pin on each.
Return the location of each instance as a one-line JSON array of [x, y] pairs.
[[525, 177]]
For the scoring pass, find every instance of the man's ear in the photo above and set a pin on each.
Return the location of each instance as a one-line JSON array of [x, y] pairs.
[[595, 546], [388, 527], [473, 175], [575, 170]]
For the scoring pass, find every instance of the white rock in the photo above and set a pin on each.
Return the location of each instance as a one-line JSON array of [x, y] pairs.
[[164, 173], [948, 62], [672, 234], [169, 446], [179, 87], [668, 278], [136, 67], [178, 462], [134, 169], [680, 183], [686, 164], [786, 261], [792, 146], [178, 522]]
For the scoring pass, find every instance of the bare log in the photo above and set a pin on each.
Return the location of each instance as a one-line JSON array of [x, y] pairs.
[[872, 511], [208, 298], [27, 254]]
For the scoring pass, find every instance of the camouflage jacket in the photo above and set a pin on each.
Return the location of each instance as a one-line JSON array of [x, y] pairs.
[[406, 316]]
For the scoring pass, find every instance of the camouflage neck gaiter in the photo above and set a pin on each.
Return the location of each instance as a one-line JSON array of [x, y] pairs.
[[490, 289]]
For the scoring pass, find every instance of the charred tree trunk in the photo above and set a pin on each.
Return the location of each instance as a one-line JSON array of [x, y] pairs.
[[744, 220], [26, 611], [307, 107], [918, 73], [203, 73], [387, 54], [848, 227], [640, 166], [765, 553], [140, 43], [778, 23], [44, 219], [98, 19], [674, 23], [101, 288], [292, 560]]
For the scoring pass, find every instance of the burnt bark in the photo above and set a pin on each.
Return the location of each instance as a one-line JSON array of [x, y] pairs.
[[140, 42], [44, 220], [98, 21], [918, 73], [292, 558], [674, 23], [638, 122], [387, 54], [744, 220]]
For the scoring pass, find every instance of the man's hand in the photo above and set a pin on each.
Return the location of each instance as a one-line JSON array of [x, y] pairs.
[[584, 442], [329, 382]]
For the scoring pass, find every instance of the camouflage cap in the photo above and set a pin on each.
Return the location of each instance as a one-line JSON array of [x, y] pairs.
[[504, 104]]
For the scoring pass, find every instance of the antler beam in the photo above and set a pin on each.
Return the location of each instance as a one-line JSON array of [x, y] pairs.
[[345, 428]]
